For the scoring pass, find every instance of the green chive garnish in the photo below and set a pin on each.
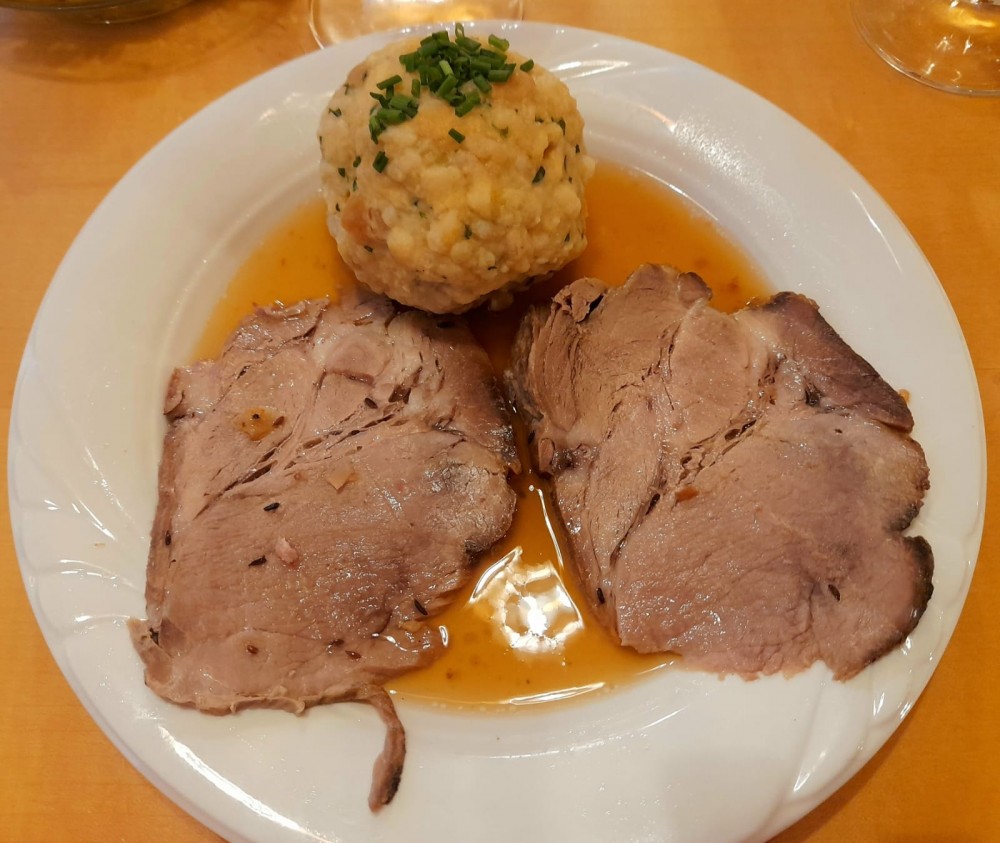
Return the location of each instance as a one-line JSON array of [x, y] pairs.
[[446, 87], [470, 102], [390, 116], [539, 175], [380, 161], [459, 72]]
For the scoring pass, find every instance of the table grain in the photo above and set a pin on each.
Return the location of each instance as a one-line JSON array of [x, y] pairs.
[[80, 104]]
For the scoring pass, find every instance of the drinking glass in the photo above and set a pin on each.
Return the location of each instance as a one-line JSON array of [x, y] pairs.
[[953, 45], [338, 20]]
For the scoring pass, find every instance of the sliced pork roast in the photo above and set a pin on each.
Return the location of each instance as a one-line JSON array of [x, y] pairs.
[[323, 488], [734, 488]]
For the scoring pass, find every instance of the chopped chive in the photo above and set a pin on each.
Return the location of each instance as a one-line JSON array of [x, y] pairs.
[[451, 70], [336, 112], [380, 161], [357, 161], [493, 57], [539, 175], [401, 101], [342, 171], [456, 135], [390, 116], [446, 87], [470, 103]]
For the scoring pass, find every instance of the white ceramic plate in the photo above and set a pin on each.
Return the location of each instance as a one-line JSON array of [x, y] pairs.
[[680, 757]]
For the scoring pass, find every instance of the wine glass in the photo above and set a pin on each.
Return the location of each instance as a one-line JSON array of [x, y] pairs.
[[338, 20], [953, 45]]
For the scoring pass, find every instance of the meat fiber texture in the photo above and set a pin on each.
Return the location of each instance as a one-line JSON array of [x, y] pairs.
[[324, 487], [733, 488]]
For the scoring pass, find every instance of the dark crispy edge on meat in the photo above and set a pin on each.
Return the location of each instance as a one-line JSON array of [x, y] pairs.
[[923, 555], [388, 770], [851, 381], [858, 385], [515, 378]]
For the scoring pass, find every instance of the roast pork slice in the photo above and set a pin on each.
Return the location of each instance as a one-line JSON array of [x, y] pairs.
[[733, 488], [324, 487]]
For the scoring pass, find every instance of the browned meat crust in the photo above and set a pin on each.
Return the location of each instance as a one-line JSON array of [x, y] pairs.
[[733, 488], [324, 487]]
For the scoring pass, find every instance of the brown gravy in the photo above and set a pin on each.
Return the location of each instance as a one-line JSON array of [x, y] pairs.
[[521, 631]]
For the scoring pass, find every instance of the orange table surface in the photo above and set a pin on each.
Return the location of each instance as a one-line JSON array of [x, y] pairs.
[[81, 104]]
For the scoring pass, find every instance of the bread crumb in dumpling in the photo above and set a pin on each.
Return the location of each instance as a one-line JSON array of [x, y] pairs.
[[446, 207]]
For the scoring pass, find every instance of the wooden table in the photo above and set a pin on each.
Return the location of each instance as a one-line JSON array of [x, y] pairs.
[[79, 105]]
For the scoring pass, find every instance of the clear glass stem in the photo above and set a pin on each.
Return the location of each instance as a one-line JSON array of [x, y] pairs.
[[332, 21]]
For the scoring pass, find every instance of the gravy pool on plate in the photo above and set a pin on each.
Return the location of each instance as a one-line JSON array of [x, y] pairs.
[[521, 632]]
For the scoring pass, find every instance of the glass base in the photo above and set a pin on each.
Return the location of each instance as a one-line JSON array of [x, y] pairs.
[[97, 11], [953, 45], [333, 21]]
